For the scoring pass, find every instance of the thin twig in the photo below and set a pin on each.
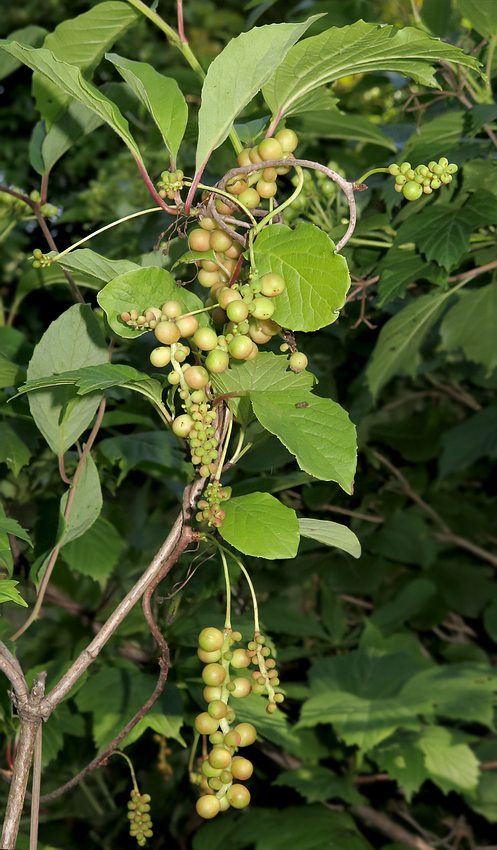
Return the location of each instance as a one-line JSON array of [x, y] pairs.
[[35, 791], [346, 512], [10, 666]]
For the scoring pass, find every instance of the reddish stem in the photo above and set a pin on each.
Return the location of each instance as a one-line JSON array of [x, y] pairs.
[[151, 188], [181, 28]]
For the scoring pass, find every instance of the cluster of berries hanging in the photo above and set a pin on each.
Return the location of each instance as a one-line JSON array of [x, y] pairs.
[[140, 823], [209, 506], [170, 183], [222, 765], [422, 179]]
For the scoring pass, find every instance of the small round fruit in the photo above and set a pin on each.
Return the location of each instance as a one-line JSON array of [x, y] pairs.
[[187, 325], [272, 284], [205, 724], [270, 149], [171, 309], [242, 688], [253, 354], [182, 425], [257, 334], [237, 311], [247, 732], [227, 295], [266, 188], [212, 693], [240, 347], [239, 659], [249, 198], [298, 361], [220, 758], [208, 223], [244, 158], [167, 332], [217, 361], [199, 240], [237, 186], [254, 154], [210, 639], [208, 279], [232, 739], [207, 807], [217, 709], [214, 675], [160, 357], [220, 241], [412, 191], [196, 377], [238, 796], [261, 308], [287, 139], [205, 339], [281, 169], [216, 737], [234, 252], [242, 768], [208, 657]]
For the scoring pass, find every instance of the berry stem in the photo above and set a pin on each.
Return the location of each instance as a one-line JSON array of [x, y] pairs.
[[130, 765], [227, 619], [231, 198], [269, 217], [225, 448], [369, 173], [101, 230]]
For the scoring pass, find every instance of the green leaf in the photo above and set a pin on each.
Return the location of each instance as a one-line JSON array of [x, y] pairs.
[[161, 96], [473, 439], [403, 760], [9, 593], [355, 49], [73, 340], [140, 289], [317, 279], [484, 802], [334, 124], [91, 378], [76, 121], [406, 604], [259, 525], [463, 691], [441, 233], [96, 552], [321, 435], [398, 269], [318, 784], [11, 526], [405, 537], [452, 766], [10, 373], [331, 534], [94, 265], [69, 79], [86, 503], [81, 41], [226, 91], [275, 727], [401, 338], [470, 324], [155, 448], [482, 15], [32, 35]]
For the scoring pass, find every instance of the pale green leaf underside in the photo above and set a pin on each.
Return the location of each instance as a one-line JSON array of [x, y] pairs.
[[355, 49], [140, 289], [331, 534], [400, 339], [471, 325], [317, 279], [32, 35], [259, 525], [95, 265], [235, 77], [88, 379], [321, 435], [71, 81], [80, 41], [482, 15], [160, 95]]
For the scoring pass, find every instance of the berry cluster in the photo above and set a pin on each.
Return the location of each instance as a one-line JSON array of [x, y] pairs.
[[222, 765], [209, 506], [423, 179], [249, 191], [140, 823], [198, 426], [170, 183], [40, 260]]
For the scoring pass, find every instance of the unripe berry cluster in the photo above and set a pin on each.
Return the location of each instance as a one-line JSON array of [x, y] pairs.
[[197, 426], [250, 190], [170, 183], [423, 179], [140, 823], [40, 260], [222, 765], [209, 506]]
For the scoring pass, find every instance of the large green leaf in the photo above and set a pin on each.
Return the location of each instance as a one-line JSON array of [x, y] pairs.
[[235, 77], [473, 439], [140, 289], [32, 35], [451, 765], [401, 338], [318, 784], [76, 121], [96, 552], [317, 279], [88, 379], [471, 325], [152, 449], [10, 373], [81, 41], [331, 534], [399, 268], [464, 691], [320, 435], [95, 265], [13, 450], [482, 15], [72, 341], [333, 124], [161, 96], [355, 49], [86, 503], [69, 79], [403, 760], [260, 525]]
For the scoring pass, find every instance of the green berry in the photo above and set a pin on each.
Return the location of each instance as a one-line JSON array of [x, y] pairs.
[[412, 191]]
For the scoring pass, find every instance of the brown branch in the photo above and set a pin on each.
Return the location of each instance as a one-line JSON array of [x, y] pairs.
[[380, 821], [346, 512], [466, 544], [10, 666]]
